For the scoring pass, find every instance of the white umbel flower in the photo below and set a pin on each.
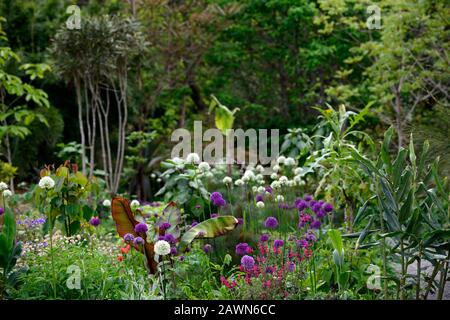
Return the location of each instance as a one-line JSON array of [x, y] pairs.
[[274, 176], [275, 185], [290, 162], [255, 189], [239, 182], [260, 168], [46, 183], [281, 159], [3, 186], [204, 166], [192, 158], [134, 204], [227, 180], [283, 179], [245, 179], [260, 204], [162, 248], [7, 193], [106, 203], [298, 171], [249, 174], [261, 189], [279, 198], [276, 168]]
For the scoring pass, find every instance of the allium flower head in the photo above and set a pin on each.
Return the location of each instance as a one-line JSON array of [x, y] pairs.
[[239, 182], [281, 159], [134, 204], [291, 266], [141, 228], [300, 204], [106, 203], [315, 224], [138, 241], [310, 237], [204, 166], [162, 248], [227, 180], [260, 204], [271, 223], [7, 193], [279, 198], [247, 262], [170, 238], [2, 210], [3, 186], [95, 221], [164, 226], [173, 251], [328, 207], [46, 183], [192, 158], [290, 162], [264, 237], [307, 198], [128, 237], [240, 221], [242, 248]]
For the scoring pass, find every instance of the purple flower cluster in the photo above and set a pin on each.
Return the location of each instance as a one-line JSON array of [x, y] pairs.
[[164, 226], [138, 241], [278, 243], [207, 248], [259, 198], [264, 237], [247, 263], [217, 199], [271, 223], [140, 228], [2, 210], [128, 237], [95, 221], [242, 249], [30, 223], [170, 238]]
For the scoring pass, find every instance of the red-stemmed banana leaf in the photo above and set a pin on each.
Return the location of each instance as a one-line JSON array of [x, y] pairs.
[[210, 228], [125, 223]]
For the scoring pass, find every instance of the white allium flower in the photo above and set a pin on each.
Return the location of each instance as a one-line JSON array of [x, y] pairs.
[[261, 189], [106, 203], [297, 178], [178, 160], [249, 174], [260, 204], [46, 183], [267, 193], [283, 179], [209, 174], [162, 248], [275, 184], [276, 168], [7, 193], [281, 159], [3, 186], [227, 180], [298, 171], [158, 180], [153, 176], [290, 162], [290, 183], [192, 158], [259, 177], [273, 176], [204, 166], [260, 168], [279, 198], [245, 179], [261, 182], [135, 204], [255, 189], [239, 182]]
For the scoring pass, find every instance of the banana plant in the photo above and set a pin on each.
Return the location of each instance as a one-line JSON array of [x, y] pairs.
[[126, 221], [408, 209]]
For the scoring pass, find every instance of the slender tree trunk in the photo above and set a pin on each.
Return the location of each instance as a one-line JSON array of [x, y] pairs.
[[80, 122]]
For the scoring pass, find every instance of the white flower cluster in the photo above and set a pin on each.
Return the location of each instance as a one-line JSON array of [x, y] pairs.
[[192, 158], [106, 203], [134, 204], [46, 183], [162, 248], [3, 186], [227, 180]]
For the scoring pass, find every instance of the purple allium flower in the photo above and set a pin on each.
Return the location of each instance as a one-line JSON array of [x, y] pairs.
[[264, 237], [300, 204], [219, 202], [321, 213], [278, 243], [307, 198], [181, 258], [164, 226], [259, 197], [269, 190], [161, 238], [170, 238], [291, 266], [215, 195], [316, 207], [271, 223], [128, 237], [283, 206], [270, 269], [328, 207], [242, 248], [194, 223], [312, 203], [2, 210], [310, 237], [138, 241], [214, 215], [315, 224], [240, 221], [207, 248], [95, 221], [140, 228], [247, 262], [173, 251]]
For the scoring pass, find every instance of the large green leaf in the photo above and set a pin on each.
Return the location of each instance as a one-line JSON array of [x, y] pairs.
[[210, 228], [125, 223]]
